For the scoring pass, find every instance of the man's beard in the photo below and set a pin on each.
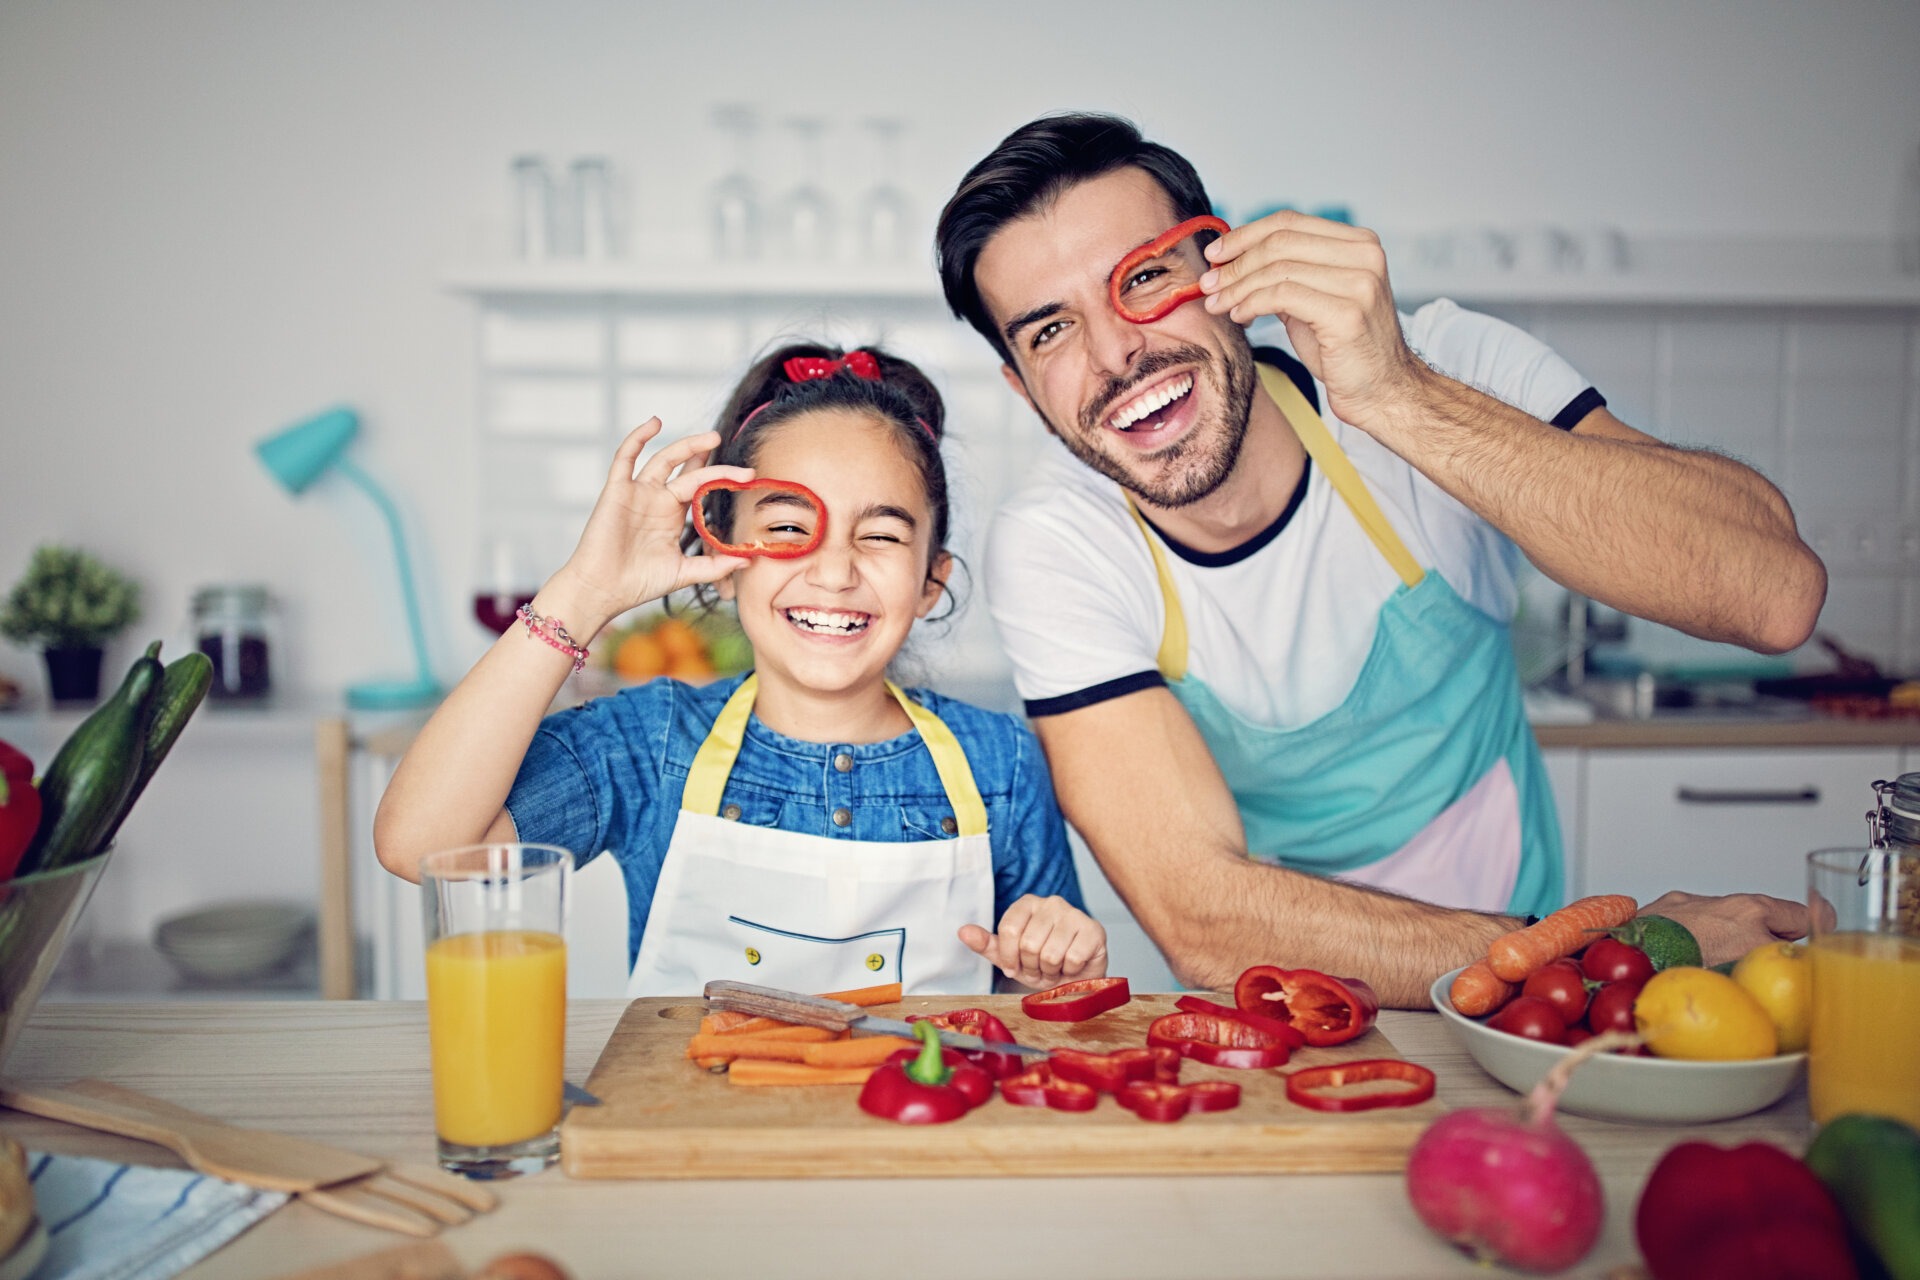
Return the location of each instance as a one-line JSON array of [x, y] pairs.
[[1196, 464]]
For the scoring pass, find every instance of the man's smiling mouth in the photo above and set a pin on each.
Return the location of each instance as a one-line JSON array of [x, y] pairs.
[[1145, 407], [830, 622]]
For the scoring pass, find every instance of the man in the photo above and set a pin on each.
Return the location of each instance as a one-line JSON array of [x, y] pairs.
[[1256, 603]]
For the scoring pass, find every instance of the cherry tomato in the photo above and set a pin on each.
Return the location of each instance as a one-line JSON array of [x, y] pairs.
[[1612, 1007], [1577, 1034], [1531, 1018], [1610, 960], [1562, 985]]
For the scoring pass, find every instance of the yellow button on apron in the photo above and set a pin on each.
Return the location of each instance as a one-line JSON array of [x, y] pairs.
[[843, 817], [753, 957], [876, 962]]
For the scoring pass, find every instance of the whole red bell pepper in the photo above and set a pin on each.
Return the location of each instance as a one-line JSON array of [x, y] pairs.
[[19, 808], [1286, 1031], [1219, 1042], [978, 1022], [930, 1085], [771, 550], [1076, 1001], [1325, 1010], [1107, 1072], [1039, 1086], [1164, 1102], [1303, 1086], [1117, 282], [1752, 1212]]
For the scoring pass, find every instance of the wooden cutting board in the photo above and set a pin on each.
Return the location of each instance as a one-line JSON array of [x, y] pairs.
[[663, 1116]]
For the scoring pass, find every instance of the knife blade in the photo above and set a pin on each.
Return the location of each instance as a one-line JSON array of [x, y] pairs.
[[814, 1011]]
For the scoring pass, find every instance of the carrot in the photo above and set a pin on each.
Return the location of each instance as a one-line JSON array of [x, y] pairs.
[[1479, 990], [1514, 956], [868, 1051], [726, 1020], [771, 1027], [785, 1048], [708, 1064], [759, 1071], [867, 997]]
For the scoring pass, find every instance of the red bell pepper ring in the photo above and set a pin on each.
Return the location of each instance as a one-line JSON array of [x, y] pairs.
[[1109, 1072], [771, 550], [1038, 1086], [1146, 253], [1219, 1042], [1168, 1102], [929, 1085], [1076, 1001], [19, 808], [1325, 1010], [1286, 1031], [1302, 1085], [977, 1022]]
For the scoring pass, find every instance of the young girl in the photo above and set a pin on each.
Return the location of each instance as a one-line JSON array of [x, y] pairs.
[[807, 826]]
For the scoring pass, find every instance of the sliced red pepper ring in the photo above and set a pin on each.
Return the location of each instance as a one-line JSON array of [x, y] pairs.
[[1076, 1001], [1038, 1086], [783, 522], [1219, 1042], [1166, 1102], [977, 1022], [1292, 1035], [1166, 285], [1109, 1072], [1325, 1010], [1302, 1085]]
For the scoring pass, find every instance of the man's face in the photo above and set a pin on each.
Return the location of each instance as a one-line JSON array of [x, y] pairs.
[[1160, 408]]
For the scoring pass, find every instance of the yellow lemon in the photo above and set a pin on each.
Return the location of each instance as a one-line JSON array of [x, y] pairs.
[[1686, 1012], [1780, 977]]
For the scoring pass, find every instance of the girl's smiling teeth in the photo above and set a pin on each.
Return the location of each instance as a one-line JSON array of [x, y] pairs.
[[834, 622], [1150, 402]]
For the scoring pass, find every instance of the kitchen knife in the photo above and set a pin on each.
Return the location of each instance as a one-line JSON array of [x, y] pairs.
[[814, 1011]]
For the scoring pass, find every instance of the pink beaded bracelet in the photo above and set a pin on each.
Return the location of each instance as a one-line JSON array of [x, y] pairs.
[[558, 637]]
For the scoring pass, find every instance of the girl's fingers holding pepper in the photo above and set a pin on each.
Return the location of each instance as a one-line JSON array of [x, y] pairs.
[[691, 477], [659, 468], [626, 459]]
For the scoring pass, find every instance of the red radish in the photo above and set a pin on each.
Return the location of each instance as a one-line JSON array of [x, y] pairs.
[[1508, 1186]]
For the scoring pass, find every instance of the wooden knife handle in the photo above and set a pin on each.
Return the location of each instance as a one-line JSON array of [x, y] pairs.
[[787, 1006]]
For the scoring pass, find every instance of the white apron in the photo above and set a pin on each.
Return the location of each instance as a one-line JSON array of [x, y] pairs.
[[812, 913]]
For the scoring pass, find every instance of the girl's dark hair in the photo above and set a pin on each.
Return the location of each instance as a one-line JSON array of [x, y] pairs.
[[1026, 172], [902, 396]]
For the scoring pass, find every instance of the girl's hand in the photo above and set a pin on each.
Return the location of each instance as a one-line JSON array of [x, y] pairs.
[[1043, 942], [630, 551]]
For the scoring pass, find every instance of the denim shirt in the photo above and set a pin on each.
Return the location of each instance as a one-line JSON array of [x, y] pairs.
[[609, 775]]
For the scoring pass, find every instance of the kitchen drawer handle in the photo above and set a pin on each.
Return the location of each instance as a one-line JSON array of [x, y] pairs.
[[1785, 795]]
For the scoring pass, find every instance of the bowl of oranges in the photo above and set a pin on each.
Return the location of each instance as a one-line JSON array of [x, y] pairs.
[[695, 648]]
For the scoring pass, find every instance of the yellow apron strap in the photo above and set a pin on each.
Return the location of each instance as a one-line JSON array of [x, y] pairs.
[[713, 763], [1322, 448], [1173, 635], [956, 775]]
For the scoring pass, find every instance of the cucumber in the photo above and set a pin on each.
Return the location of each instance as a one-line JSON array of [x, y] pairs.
[[86, 786], [183, 686], [1872, 1166]]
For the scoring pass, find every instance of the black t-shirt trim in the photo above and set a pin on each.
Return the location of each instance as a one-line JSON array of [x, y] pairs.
[[1577, 408], [1105, 691]]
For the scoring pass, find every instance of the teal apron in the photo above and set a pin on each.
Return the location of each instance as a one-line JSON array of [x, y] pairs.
[[1435, 714]]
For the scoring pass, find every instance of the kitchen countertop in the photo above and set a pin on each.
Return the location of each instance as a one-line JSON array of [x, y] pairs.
[[355, 1074], [1730, 730]]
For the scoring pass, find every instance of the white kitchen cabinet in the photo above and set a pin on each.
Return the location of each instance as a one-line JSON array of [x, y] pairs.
[[1565, 770]]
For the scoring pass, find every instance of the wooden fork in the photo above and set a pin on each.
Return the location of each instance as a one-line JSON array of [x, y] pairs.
[[414, 1200]]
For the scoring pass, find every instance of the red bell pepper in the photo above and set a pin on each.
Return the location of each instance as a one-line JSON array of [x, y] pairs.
[[1751, 1211], [19, 808], [1166, 1102], [1076, 1001], [930, 1085], [1038, 1086], [1218, 1042], [771, 550], [1286, 1031], [1107, 1072], [1302, 1085], [1325, 1010], [1153, 248], [977, 1022]]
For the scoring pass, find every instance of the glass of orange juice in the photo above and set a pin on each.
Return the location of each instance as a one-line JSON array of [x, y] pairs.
[[496, 1004], [1865, 1049]]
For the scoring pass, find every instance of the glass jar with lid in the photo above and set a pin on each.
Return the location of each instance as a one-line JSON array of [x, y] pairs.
[[233, 626]]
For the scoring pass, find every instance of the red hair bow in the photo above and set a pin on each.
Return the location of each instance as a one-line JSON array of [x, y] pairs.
[[860, 364]]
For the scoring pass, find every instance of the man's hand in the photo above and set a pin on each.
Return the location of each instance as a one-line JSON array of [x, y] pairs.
[[1043, 942], [1729, 927]]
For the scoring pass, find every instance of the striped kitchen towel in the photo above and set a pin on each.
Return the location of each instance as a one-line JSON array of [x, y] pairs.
[[108, 1221]]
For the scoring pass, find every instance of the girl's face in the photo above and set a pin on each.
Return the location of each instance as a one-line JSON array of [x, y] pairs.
[[831, 621]]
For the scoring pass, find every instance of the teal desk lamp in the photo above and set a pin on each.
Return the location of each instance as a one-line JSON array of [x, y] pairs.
[[302, 454]]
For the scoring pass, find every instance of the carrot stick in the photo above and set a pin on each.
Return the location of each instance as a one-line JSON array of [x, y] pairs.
[[867, 1051], [1514, 956], [769, 1028], [1479, 990], [726, 1020], [708, 1064], [731, 1047], [867, 997], [759, 1071]]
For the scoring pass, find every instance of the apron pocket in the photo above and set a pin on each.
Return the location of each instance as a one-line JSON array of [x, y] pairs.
[[928, 822]]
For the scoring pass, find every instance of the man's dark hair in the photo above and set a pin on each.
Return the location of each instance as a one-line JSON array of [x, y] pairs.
[[1026, 172]]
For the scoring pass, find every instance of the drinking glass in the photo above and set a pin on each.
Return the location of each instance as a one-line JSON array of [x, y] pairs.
[[502, 583], [495, 918], [806, 214], [533, 207], [885, 215], [734, 201], [1865, 1049], [589, 209]]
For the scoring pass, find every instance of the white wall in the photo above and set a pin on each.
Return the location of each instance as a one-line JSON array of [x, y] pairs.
[[218, 217]]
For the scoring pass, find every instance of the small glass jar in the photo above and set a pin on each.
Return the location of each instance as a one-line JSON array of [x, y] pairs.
[[233, 627]]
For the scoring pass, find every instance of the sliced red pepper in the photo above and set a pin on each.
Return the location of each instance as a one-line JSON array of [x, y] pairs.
[[1301, 1085], [1286, 1031], [929, 1085], [1166, 1102], [1038, 1086], [977, 1022], [771, 550], [1153, 249], [19, 808], [1107, 1072], [1325, 1010], [1219, 1042], [1076, 1001]]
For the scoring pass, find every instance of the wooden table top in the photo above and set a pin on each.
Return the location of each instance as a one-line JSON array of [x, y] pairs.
[[355, 1074]]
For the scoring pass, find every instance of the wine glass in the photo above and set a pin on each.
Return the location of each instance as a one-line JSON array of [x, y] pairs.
[[734, 202], [806, 214], [504, 581], [885, 215]]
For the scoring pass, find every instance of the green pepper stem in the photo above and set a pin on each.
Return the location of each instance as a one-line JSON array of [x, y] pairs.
[[930, 1067]]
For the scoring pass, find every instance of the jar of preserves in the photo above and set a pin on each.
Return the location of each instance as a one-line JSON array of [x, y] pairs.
[[233, 627]]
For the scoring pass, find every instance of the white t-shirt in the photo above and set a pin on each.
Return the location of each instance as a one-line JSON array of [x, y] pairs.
[[1279, 627]]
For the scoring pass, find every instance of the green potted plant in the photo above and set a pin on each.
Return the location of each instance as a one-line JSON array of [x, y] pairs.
[[69, 604]]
